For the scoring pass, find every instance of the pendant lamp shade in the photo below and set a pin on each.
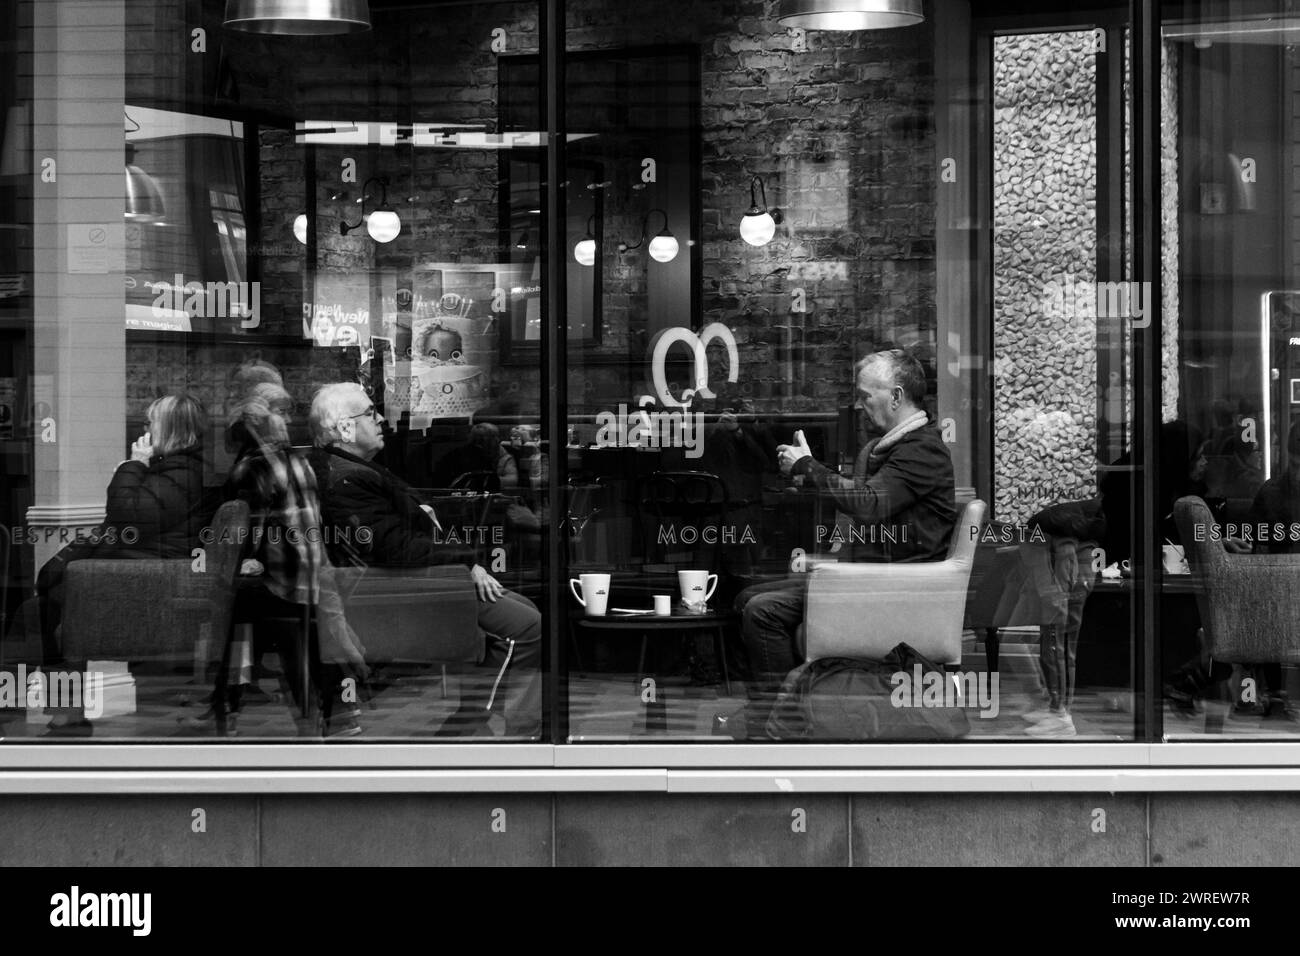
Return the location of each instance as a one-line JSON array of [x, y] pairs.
[[849, 14], [302, 18], [144, 200]]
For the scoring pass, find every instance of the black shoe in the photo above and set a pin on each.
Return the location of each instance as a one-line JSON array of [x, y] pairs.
[[1279, 708], [1182, 702], [76, 728], [342, 727]]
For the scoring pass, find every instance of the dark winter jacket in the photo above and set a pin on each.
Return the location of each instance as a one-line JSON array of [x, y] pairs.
[[159, 509], [903, 497], [379, 514]]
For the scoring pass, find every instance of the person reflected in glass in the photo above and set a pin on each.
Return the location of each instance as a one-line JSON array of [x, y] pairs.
[[285, 555]]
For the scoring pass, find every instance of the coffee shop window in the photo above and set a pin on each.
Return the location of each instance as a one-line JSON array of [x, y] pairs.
[[845, 336], [825, 480], [283, 488]]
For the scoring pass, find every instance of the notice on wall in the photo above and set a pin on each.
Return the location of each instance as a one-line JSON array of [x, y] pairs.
[[95, 248]]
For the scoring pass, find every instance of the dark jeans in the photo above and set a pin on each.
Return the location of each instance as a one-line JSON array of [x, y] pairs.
[[771, 615]]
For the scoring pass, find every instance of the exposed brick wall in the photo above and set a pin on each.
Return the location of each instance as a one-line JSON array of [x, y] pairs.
[[841, 131]]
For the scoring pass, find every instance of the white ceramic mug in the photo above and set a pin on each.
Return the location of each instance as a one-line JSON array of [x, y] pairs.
[[693, 585], [595, 592], [663, 604]]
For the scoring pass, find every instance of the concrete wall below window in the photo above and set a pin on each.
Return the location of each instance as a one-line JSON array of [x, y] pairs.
[[968, 829]]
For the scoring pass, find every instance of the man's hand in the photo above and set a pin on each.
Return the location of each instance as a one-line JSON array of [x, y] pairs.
[[488, 587], [1237, 546], [787, 456]]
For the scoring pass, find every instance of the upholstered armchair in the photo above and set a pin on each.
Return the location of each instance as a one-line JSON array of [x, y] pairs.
[[863, 610], [1249, 603], [153, 609]]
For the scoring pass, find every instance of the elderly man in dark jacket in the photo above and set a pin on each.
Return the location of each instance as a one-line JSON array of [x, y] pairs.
[[900, 501], [357, 493]]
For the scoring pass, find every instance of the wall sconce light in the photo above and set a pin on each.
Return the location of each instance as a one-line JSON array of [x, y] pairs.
[[302, 18], [382, 223], [663, 247], [758, 226], [144, 200], [584, 250], [300, 228], [849, 14]]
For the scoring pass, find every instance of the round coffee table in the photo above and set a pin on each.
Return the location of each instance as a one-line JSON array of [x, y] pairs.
[[648, 625]]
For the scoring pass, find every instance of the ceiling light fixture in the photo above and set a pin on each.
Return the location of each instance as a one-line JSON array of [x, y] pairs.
[[382, 223], [849, 14], [144, 200], [758, 226], [300, 18]]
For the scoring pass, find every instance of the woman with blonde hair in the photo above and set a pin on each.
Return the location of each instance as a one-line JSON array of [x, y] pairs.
[[156, 508], [156, 501]]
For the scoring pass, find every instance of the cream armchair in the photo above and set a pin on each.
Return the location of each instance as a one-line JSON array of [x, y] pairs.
[[864, 610]]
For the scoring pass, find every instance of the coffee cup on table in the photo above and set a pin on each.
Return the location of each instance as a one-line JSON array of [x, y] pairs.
[[696, 587], [663, 605], [595, 592]]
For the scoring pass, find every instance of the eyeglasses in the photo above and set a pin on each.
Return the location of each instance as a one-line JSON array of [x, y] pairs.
[[371, 411]]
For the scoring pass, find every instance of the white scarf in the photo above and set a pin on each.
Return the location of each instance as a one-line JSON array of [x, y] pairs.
[[892, 437]]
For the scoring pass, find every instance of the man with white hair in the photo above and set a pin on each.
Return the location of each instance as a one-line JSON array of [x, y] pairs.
[[355, 492]]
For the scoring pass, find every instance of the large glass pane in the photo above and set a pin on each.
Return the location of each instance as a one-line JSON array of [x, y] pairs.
[[333, 507], [1231, 250], [850, 454]]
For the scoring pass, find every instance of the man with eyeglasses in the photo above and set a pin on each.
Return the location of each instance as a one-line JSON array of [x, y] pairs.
[[357, 493], [900, 502]]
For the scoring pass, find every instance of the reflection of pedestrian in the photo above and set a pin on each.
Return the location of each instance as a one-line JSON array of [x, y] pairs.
[[286, 554]]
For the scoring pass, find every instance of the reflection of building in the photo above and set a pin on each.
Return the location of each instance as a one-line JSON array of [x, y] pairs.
[[929, 183]]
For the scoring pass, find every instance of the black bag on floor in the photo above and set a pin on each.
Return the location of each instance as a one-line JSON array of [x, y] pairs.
[[836, 698]]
